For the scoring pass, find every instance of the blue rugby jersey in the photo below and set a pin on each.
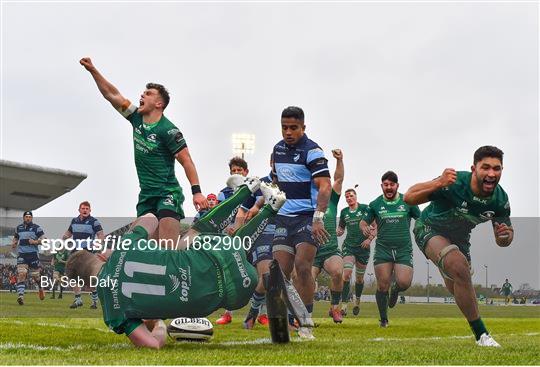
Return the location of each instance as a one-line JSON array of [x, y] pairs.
[[296, 167], [84, 228], [225, 194], [25, 232]]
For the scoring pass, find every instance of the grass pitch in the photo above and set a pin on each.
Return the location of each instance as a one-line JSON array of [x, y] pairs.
[[49, 333]]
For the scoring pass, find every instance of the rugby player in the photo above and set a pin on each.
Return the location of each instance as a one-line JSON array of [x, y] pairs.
[[157, 143], [459, 202], [27, 237], [356, 248], [393, 247], [237, 166], [329, 255], [83, 229], [59, 261], [301, 171], [506, 291], [169, 283]]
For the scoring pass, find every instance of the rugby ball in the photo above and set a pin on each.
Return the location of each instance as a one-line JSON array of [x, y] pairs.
[[191, 329]]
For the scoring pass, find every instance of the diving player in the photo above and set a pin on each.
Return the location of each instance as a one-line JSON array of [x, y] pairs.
[[146, 285]]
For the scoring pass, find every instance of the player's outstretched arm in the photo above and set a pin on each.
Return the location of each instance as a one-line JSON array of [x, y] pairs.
[[339, 174], [109, 91], [318, 231], [419, 193], [184, 158], [143, 337]]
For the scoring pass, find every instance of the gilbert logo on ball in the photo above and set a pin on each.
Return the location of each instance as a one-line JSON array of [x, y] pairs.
[[186, 328]]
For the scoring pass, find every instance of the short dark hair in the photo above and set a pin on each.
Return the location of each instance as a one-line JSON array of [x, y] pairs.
[[350, 190], [391, 176], [239, 162], [163, 92], [488, 151], [293, 112]]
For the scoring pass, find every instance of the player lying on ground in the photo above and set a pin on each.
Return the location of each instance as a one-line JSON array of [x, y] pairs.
[[141, 286], [459, 202]]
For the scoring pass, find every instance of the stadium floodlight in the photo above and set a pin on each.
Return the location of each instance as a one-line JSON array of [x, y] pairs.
[[243, 144]]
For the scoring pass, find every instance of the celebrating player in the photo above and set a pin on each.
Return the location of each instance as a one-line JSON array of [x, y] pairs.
[[393, 247], [459, 202], [356, 248], [328, 254], [169, 283], [157, 143], [27, 236]]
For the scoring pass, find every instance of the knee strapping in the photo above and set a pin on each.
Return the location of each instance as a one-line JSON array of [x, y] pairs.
[[440, 262], [22, 269]]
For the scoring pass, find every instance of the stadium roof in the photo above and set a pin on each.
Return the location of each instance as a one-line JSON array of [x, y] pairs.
[[29, 187]]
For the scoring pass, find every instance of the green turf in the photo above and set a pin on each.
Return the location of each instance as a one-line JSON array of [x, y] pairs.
[[49, 333]]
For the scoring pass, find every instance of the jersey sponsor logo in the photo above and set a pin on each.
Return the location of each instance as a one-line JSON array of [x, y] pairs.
[[175, 281], [507, 205], [178, 137], [464, 204], [286, 173], [138, 131], [169, 200], [480, 200], [487, 215], [281, 232], [173, 131], [246, 280], [185, 283]]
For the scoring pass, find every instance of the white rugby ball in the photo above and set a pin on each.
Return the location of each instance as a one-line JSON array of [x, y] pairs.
[[187, 328]]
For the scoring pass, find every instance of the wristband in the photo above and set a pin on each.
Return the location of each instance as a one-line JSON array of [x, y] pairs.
[[318, 216], [195, 189]]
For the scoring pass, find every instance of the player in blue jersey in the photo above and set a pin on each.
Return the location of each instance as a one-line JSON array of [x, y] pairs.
[[301, 171], [83, 229], [27, 238]]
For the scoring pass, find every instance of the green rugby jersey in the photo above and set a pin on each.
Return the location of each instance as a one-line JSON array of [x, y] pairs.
[[506, 288], [330, 218], [60, 256], [393, 220], [350, 220], [159, 284], [455, 210], [155, 146]]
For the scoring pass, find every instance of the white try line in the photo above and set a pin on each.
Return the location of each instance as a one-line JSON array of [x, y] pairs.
[[56, 325], [445, 337], [19, 346]]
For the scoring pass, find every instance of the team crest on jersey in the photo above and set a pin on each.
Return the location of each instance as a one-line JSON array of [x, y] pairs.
[[296, 157], [151, 138], [401, 208], [487, 215]]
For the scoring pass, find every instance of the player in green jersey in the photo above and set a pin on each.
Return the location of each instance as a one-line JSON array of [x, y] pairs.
[[157, 143], [328, 254], [506, 291], [140, 283], [58, 262], [393, 247], [459, 202], [356, 248]]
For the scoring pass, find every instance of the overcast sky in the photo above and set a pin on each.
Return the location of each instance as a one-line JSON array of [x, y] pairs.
[[412, 87]]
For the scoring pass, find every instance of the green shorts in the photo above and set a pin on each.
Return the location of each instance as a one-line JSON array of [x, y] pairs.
[[61, 269], [360, 254], [325, 252], [154, 201], [403, 256], [423, 233]]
